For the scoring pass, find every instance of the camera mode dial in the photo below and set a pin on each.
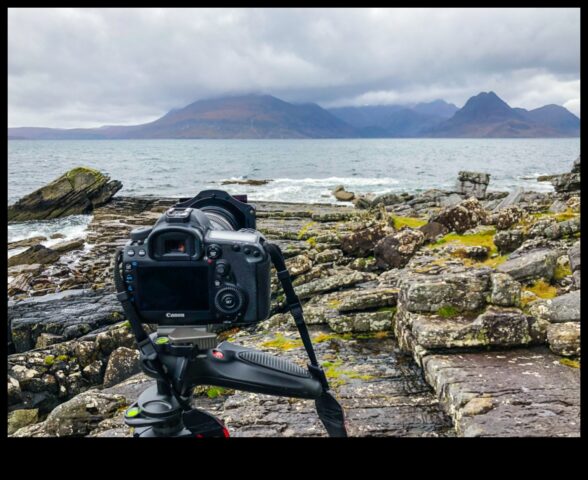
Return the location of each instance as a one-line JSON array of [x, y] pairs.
[[229, 300]]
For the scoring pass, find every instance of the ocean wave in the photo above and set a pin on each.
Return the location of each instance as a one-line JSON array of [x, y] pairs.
[[72, 226]]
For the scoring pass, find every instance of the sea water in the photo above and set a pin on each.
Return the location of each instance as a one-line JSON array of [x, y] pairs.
[[299, 170]]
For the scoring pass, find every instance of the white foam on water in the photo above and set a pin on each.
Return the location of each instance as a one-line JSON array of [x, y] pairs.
[[73, 226], [313, 190]]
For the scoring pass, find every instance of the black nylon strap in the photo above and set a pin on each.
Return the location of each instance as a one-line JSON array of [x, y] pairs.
[[295, 308]]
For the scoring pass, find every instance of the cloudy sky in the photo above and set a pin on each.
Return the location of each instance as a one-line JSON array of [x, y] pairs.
[[90, 67]]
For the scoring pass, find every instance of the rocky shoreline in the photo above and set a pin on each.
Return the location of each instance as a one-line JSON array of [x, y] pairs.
[[440, 313]]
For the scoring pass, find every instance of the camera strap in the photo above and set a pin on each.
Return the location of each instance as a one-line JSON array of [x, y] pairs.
[[328, 408], [144, 343]]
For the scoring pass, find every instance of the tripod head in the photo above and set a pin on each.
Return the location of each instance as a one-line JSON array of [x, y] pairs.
[[192, 357]]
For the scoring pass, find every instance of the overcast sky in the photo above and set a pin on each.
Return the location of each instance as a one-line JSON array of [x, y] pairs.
[[90, 67]]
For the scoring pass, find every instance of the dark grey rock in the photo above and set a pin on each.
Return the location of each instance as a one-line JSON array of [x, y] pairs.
[[565, 308], [464, 292], [37, 254], [516, 393], [473, 183], [574, 254], [362, 242], [531, 266], [78, 191], [70, 315], [508, 240], [577, 166], [394, 251], [122, 364], [461, 217], [506, 292]]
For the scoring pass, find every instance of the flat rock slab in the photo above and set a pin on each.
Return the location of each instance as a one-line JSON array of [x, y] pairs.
[[520, 392], [71, 314]]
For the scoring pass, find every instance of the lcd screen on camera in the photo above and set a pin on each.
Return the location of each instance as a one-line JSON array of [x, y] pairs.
[[172, 289]]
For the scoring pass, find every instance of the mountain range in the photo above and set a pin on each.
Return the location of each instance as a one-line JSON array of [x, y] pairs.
[[264, 116]]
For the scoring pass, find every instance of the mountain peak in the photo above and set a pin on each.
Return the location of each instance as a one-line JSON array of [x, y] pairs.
[[486, 107]]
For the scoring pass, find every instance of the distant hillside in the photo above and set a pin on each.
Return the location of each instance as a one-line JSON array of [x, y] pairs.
[[263, 116], [249, 116], [486, 115], [395, 120]]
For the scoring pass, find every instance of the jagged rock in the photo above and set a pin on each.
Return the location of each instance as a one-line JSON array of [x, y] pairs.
[[122, 364], [473, 183], [14, 392], [27, 242], [506, 292], [508, 240], [565, 308], [475, 252], [461, 217], [366, 299], [574, 255], [298, 265], [534, 265], [21, 418], [64, 247], [577, 166], [391, 199], [56, 236], [332, 216], [564, 338], [93, 372], [432, 231], [363, 264], [46, 339], [20, 283], [506, 217], [78, 416], [78, 191], [334, 282], [362, 202], [462, 291], [496, 327], [35, 254], [567, 182], [362, 322], [394, 251], [70, 314], [558, 206], [343, 195], [449, 200], [327, 256], [362, 242]]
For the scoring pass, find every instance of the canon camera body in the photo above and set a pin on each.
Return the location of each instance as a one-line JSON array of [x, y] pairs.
[[202, 263]]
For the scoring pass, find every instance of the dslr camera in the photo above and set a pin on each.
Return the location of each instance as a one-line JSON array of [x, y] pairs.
[[202, 263]]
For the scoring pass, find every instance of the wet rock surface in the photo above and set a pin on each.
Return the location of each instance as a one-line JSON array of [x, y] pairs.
[[69, 314], [521, 392], [442, 283]]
